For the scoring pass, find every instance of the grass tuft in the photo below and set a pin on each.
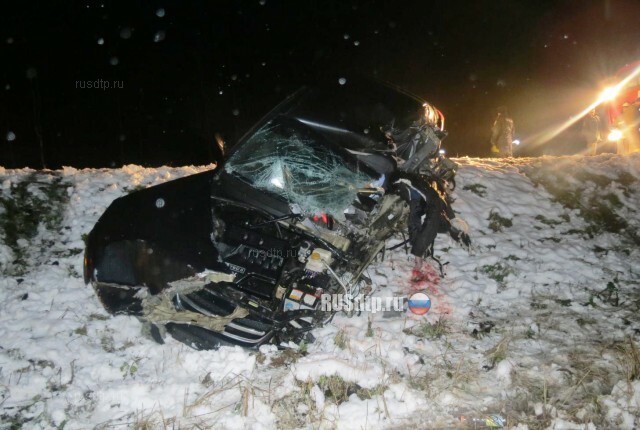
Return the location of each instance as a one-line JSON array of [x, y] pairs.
[[287, 357], [497, 272], [497, 222], [369, 332], [427, 330], [478, 189], [25, 206], [597, 207], [342, 339], [630, 359], [337, 390], [498, 353], [547, 221]]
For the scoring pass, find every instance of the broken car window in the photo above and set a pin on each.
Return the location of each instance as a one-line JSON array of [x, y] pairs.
[[287, 158]]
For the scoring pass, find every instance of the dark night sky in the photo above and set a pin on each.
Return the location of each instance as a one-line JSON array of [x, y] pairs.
[[221, 65]]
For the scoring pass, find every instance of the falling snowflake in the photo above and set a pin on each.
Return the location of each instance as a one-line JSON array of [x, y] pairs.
[[160, 13], [11, 136], [101, 41], [342, 81], [125, 33], [159, 36]]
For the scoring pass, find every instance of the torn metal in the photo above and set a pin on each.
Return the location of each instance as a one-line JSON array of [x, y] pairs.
[[160, 309]]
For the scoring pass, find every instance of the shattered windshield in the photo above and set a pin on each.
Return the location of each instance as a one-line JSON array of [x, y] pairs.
[[287, 158]]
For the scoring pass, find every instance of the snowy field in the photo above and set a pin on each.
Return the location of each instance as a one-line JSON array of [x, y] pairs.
[[538, 323]]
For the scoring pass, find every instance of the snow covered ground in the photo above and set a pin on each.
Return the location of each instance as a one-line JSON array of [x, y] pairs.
[[539, 323]]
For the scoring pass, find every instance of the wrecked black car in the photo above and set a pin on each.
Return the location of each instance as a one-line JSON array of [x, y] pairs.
[[300, 206]]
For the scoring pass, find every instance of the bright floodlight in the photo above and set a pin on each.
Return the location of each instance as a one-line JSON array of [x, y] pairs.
[[609, 93], [615, 135], [516, 142], [441, 152]]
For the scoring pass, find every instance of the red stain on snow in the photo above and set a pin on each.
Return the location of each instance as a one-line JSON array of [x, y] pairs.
[[427, 278]]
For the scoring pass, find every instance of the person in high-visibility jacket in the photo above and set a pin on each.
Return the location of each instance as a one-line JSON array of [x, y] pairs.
[[502, 134]]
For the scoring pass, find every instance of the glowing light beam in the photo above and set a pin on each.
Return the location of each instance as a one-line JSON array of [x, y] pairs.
[[609, 92]]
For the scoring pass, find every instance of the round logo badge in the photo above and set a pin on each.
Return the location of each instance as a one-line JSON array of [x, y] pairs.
[[419, 303]]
